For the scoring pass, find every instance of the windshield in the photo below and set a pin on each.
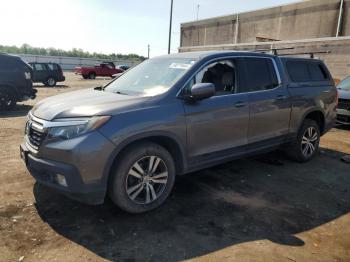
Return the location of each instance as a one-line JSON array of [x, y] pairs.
[[345, 84], [152, 77]]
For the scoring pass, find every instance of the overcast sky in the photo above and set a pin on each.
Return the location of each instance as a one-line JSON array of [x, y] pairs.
[[109, 26]]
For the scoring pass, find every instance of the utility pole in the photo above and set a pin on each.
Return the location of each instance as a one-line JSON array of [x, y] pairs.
[[340, 18], [149, 50], [198, 6], [171, 24]]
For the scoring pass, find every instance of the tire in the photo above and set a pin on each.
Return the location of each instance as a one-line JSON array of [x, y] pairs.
[[92, 76], [128, 188], [51, 81], [85, 77], [306, 146], [8, 99]]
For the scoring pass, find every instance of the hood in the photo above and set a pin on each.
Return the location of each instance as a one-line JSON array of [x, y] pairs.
[[82, 103], [344, 94]]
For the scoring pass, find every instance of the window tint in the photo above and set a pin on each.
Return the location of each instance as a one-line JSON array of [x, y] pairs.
[[261, 74], [298, 71], [39, 67], [53, 66], [317, 72], [222, 74], [303, 71]]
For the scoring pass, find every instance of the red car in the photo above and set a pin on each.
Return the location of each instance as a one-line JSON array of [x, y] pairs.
[[104, 69]]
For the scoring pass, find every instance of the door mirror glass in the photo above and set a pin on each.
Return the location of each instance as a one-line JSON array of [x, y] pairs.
[[202, 91]]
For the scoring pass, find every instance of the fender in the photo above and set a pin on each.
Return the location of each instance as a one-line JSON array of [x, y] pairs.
[[311, 110], [141, 136]]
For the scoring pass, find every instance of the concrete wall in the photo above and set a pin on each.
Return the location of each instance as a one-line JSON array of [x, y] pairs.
[[338, 60], [69, 63], [308, 26], [303, 20]]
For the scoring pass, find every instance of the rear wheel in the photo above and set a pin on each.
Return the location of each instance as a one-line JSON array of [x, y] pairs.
[[7, 99], [92, 76], [51, 82], [85, 77], [143, 178], [306, 146]]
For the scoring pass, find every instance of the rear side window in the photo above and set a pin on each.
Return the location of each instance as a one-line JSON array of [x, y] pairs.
[[261, 74], [39, 67], [301, 71], [53, 66]]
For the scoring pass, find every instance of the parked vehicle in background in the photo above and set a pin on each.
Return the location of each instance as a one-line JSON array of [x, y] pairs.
[[117, 75], [343, 111], [173, 115], [47, 73], [15, 81], [123, 67], [104, 69]]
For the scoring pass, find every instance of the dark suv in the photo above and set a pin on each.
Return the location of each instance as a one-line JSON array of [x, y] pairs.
[[47, 73], [15, 81], [173, 115]]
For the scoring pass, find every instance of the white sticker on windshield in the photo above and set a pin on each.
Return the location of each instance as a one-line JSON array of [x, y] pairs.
[[180, 66]]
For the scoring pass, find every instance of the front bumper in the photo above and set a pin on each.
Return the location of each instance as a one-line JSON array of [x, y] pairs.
[[44, 172], [84, 169], [343, 116]]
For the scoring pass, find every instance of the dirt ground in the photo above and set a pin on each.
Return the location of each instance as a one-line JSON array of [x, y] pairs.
[[265, 208]]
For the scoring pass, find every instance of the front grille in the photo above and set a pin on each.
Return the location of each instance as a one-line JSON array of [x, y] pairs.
[[35, 133], [344, 104], [343, 119]]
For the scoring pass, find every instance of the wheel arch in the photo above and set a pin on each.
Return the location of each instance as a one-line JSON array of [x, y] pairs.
[[164, 139], [11, 88], [318, 116]]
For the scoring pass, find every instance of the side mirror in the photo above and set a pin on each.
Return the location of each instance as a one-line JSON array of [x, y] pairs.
[[202, 91]]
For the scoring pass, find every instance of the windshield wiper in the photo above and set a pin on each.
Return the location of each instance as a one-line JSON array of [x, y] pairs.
[[120, 93], [99, 88]]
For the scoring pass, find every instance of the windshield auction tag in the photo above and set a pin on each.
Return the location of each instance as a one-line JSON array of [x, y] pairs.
[[180, 66]]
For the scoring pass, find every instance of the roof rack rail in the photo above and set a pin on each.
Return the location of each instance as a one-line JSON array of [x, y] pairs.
[[312, 54], [273, 50]]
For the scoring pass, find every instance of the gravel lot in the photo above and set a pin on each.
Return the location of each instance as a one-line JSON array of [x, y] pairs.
[[262, 209]]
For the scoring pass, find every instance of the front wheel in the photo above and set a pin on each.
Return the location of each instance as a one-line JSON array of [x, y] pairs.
[[92, 76], [143, 178], [51, 82], [7, 99], [306, 146]]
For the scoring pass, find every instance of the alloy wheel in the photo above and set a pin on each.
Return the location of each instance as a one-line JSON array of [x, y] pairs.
[[309, 142], [51, 81], [146, 180]]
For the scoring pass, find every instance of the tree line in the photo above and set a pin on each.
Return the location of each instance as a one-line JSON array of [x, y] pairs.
[[75, 52]]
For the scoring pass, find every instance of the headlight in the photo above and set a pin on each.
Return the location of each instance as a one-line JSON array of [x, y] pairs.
[[68, 128]]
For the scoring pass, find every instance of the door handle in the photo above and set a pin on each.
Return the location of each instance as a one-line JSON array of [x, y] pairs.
[[240, 104], [281, 97]]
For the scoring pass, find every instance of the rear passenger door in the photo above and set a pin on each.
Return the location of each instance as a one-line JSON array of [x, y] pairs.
[[217, 127], [270, 105], [40, 72]]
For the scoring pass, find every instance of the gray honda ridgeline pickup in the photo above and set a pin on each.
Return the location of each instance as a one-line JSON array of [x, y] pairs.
[[173, 115]]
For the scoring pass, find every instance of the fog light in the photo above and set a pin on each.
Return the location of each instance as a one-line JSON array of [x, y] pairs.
[[61, 180]]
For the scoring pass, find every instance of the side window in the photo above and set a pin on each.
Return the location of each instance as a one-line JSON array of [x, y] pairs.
[[39, 67], [298, 71], [261, 74], [317, 72], [221, 73], [52, 66], [303, 71]]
